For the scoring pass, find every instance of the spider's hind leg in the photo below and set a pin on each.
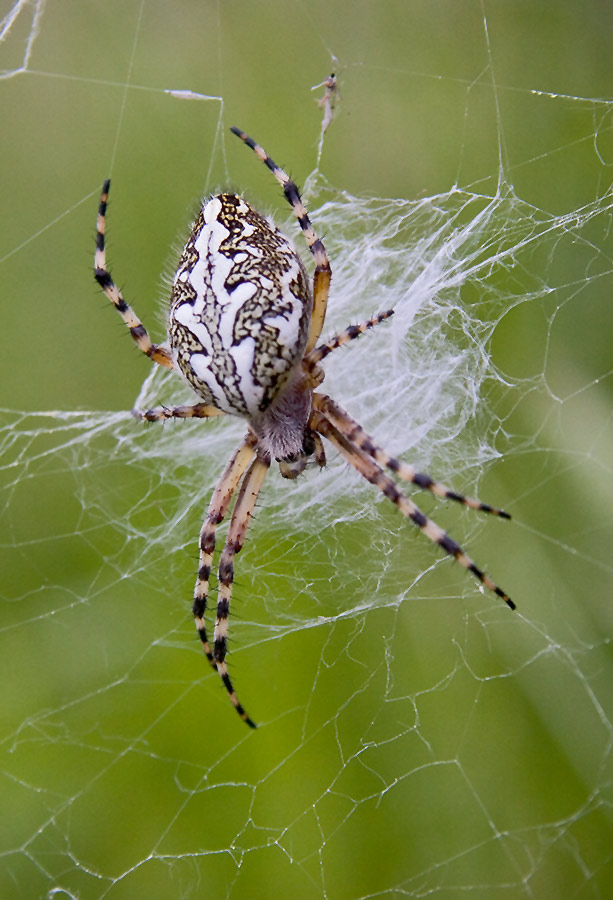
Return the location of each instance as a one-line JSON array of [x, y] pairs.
[[156, 352], [322, 275]]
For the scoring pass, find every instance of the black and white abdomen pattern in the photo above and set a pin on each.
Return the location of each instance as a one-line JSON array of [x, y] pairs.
[[240, 308]]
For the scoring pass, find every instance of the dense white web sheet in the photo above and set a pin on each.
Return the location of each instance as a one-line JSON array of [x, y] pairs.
[[415, 737]]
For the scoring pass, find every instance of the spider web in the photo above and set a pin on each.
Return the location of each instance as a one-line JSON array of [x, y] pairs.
[[416, 738]]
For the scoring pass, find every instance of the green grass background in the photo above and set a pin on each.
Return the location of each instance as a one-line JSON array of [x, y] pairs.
[[433, 744]]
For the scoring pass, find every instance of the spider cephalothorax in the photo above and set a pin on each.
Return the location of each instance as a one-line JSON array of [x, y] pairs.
[[244, 326]]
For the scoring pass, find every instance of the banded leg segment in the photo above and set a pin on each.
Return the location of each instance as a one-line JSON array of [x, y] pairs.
[[235, 540], [349, 334], [323, 274], [195, 411], [369, 469], [356, 435], [155, 352], [218, 507]]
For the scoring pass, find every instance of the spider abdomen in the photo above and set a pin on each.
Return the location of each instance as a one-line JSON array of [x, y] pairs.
[[240, 308]]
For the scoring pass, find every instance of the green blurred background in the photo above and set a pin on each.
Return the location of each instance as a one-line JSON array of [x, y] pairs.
[[431, 743]]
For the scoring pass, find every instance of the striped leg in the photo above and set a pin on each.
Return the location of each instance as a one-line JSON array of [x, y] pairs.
[[239, 523], [349, 334], [157, 353], [196, 411], [218, 507], [369, 469], [323, 274], [357, 437]]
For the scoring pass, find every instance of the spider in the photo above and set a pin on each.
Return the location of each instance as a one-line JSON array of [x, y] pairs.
[[243, 330]]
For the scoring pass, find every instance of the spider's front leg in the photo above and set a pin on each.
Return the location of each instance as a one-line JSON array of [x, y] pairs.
[[369, 468], [218, 507], [239, 523], [356, 435]]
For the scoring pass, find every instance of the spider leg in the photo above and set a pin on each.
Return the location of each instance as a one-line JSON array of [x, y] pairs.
[[369, 469], [155, 352], [349, 334], [320, 453], [322, 275], [245, 503], [218, 507], [356, 436], [195, 411]]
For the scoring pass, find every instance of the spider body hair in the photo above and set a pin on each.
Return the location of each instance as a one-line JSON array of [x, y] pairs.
[[282, 428]]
